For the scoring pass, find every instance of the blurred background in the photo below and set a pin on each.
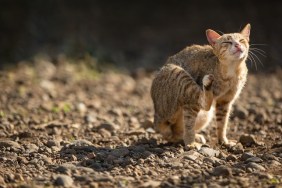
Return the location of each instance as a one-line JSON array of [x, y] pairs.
[[131, 34]]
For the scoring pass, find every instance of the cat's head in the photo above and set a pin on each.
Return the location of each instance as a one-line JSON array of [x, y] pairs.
[[232, 46]]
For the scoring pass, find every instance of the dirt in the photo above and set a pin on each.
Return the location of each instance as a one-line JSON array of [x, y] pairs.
[[68, 124]]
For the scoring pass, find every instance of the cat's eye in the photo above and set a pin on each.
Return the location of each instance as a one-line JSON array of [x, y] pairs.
[[242, 40], [226, 42]]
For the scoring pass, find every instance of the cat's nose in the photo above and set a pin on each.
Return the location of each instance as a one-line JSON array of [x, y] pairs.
[[237, 45]]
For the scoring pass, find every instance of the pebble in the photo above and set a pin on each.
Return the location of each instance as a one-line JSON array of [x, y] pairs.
[[191, 155], [90, 118], [31, 148], [263, 175], [105, 133], [222, 170], [237, 149], [151, 184], [81, 107], [248, 140], [231, 158], [109, 126], [213, 160], [63, 170], [268, 156], [82, 142], [51, 143], [9, 143], [120, 152], [255, 166], [254, 159], [63, 180], [209, 152], [22, 160], [150, 130], [246, 156], [277, 145], [240, 112], [274, 164]]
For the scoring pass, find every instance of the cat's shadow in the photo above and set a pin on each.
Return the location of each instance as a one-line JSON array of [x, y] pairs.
[[105, 158]]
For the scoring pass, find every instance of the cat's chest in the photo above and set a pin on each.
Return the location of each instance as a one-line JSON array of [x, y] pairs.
[[231, 85]]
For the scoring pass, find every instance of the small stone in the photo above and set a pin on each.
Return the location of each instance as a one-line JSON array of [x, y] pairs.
[[277, 145], [237, 149], [213, 160], [120, 152], [109, 126], [246, 156], [63, 180], [209, 152], [255, 166], [10, 177], [81, 107], [19, 177], [157, 150], [22, 160], [150, 130], [82, 142], [31, 148], [263, 175], [268, 156], [151, 184], [105, 133], [274, 164], [9, 143], [147, 124], [222, 170], [90, 118], [191, 155], [174, 179], [231, 158], [63, 170], [240, 112], [254, 159], [249, 140], [47, 160], [51, 143]]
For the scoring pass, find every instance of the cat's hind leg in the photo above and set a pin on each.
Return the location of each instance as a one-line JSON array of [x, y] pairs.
[[190, 114], [177, 127]]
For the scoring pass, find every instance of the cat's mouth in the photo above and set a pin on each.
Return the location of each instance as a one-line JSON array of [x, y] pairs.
[[238, 51]]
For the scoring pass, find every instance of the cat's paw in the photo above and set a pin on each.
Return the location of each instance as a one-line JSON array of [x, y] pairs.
[[200, 138], [227, 143], [193, 145], [208, 81]]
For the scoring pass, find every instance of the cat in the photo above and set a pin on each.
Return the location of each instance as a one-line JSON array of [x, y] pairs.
[[198, 83]]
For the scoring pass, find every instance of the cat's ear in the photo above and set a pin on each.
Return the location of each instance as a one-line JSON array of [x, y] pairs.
[[246, 31], [212, 36]]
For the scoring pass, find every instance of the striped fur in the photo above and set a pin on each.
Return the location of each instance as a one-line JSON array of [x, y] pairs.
[[197, 78]]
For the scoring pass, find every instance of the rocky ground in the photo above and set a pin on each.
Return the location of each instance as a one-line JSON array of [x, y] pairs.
[[70, 125]]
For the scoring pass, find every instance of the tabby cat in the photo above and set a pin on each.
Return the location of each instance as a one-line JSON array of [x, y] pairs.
[[198, 81]]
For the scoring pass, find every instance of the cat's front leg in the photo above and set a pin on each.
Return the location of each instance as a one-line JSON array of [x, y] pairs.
[[223, 109]]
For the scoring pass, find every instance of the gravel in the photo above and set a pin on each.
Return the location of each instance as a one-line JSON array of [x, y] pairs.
[[70, 129]]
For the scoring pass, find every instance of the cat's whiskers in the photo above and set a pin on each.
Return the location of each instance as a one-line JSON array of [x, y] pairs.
[[259, 51], [253, 61], [253, 57]]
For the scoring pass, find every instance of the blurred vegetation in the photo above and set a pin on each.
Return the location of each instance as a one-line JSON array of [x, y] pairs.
[[130, 34]]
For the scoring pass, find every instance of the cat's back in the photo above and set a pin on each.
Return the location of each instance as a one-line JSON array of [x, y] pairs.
[[193, 54], [198, 60]]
